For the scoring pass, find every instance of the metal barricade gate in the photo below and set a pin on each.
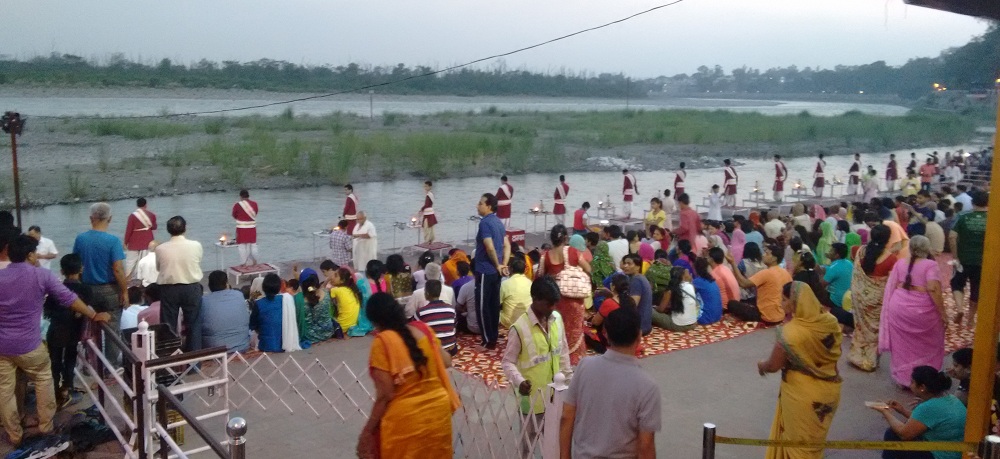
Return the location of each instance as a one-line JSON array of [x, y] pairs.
[[489, 424], [134, 406]]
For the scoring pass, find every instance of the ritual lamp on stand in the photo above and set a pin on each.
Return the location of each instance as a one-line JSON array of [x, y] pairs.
[[756, 187], [798, 184]]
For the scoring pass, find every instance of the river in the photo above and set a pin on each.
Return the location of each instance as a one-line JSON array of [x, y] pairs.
[[288, 217], [86, 102]]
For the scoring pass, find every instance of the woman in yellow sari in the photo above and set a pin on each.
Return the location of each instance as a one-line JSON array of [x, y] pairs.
[[411, 416], [806, 353]]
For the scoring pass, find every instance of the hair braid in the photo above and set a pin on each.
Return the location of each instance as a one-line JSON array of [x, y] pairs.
[[909, 276]]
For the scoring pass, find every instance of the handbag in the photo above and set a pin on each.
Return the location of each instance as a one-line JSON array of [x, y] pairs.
[[572, 281]]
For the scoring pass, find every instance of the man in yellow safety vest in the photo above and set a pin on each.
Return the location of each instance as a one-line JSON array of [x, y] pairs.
[[536, 351]]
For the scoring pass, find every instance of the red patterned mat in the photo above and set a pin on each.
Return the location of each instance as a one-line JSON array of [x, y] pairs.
[[252, 269], [475, 360]]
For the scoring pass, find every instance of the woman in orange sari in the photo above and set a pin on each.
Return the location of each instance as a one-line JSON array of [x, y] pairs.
[[806, 353], [411, 416]]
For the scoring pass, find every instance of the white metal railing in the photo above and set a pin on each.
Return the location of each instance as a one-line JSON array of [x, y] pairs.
[[127, 396], [92, 366]]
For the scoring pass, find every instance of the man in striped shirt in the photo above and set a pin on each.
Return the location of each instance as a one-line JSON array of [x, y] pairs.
[[440, 316]]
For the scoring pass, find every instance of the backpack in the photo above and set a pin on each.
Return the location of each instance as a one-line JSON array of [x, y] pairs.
[[572, 281], [658, 275]]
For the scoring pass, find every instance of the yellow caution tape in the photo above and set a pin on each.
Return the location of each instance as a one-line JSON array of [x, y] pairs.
[[847, 444]]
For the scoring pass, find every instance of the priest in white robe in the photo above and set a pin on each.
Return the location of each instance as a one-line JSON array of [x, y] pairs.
[[365, 242]]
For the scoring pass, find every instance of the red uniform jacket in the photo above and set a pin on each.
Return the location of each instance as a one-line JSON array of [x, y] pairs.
[[820, 180], [138, 234], [628, 187], [679, 182], [504, 195], [246, 222], [428, 210], [351, 212], [560, 197], [780, 174]]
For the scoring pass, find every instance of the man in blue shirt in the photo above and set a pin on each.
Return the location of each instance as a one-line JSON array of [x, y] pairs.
[[489, 264], [641, 291], [103, 257], [225, 319]]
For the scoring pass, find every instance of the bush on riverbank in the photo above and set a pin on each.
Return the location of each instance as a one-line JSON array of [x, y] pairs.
[[136, 129]]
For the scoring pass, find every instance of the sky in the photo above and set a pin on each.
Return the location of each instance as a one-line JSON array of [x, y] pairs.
[[439, 33]]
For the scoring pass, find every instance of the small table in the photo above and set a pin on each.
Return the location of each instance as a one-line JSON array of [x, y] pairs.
[[545, 221], [625, 222], [758, 196], [237, 273], [440, 247], [322, 234], [220, 256], [608, 209]]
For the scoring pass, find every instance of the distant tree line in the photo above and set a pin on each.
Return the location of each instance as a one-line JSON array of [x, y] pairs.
[[274, 75], [973, 67]]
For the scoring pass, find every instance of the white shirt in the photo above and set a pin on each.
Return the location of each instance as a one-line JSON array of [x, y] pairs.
[[669, 207], [418, 300], [178, 261], [966, 201], [953, 173], [690, 314], [130, 316], [145, 269], [365, 249], [617, 248], [773, 228], [803, 220], [714, 207], [46, 247]]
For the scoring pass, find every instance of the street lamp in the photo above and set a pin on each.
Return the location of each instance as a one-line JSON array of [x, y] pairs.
[[13, 124]]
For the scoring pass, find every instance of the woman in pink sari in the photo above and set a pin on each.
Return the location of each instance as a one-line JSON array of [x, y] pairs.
[[913, 314]]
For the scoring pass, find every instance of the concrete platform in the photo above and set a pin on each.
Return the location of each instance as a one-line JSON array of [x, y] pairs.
[[714, 383]]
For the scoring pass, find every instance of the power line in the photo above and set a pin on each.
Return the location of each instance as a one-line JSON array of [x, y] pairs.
[[392, 82]]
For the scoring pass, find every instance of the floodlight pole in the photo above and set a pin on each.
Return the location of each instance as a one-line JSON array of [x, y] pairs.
[[17, 180]]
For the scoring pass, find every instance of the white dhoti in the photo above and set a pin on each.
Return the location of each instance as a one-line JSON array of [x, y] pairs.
[[248, 253], [628, 209], [852, 188], [729, 200], [132, 258], [779, 196], [561, 219]]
